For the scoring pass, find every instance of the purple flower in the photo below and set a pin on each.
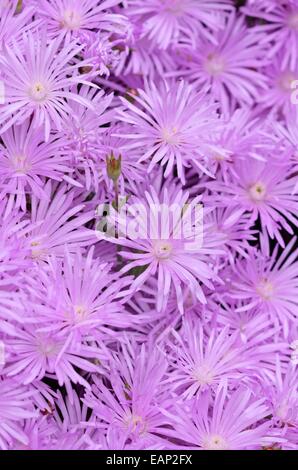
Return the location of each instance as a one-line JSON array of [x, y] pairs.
[[173, 126], [37, 81], [222, 423]]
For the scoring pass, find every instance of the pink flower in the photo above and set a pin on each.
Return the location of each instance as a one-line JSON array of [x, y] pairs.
[[173, 126], [270, 282], [71, 16], [38, 76], [226, 422], [26, 160], [229, 66], [170, 21]]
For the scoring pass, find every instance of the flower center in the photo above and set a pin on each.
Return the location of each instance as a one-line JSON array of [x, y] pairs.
[[203, 375], [135, 423], [285, 81], [257, 191], [81, 312], [37, 252], [173, 6], [293, 20], [163, 249], [214, 64], [265, 289], [71, 20], [170, 135], [215, 442], [20, 164], [38, 92], [48, 347]]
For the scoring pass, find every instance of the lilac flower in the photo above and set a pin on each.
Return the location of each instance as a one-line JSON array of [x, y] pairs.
[[71, 16], [15, 406], [280, 28], [57, 220], [164, 254], [168, 21], [173, 125], [269, 282], [89, 301], [13, 25], [26, 160], [198, 364], [229, 65], [38, 77], [148, 206], [131, 407], [265, 190], [222, 423]]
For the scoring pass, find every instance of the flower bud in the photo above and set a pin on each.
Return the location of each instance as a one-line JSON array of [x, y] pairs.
[[113, 167]]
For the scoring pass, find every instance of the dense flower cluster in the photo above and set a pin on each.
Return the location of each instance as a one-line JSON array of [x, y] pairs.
[[125, 322]]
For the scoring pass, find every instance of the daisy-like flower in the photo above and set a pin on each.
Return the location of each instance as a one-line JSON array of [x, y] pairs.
[[12, 25], [269, 281], [130, 404], [39, 78], [264, 189], [35, 354], [280, 28], [164, 237], [221, 423], [198, 363], [57, 220], [282, 395], [15, 407], [277, 97], [89, 303], [71, 16], [26, 160], [172, 124], [229, 66], [168, 21]]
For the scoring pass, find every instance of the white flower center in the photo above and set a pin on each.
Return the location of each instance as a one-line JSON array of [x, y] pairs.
[[38, 92], [37, 251], [71, 20], [21, 164], [163, 249], [48, 347], [285, 81], [81, 312], [265, 289], [135, 423], [214, 64], [170, 135], [257, 191], [203, 375], [173, 6], [215, 442]]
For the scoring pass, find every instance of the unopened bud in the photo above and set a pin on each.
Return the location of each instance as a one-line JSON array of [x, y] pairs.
[[113, 167], [19, 6]]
